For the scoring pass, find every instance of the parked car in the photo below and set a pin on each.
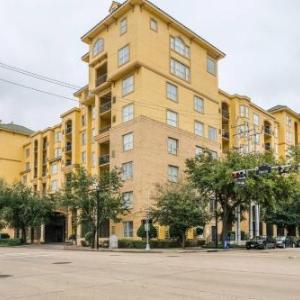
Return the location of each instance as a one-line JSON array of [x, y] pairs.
[[298, 243], [285, 241], [261, 242]]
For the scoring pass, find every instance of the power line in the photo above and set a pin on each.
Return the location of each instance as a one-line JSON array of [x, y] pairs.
[[38, 76], [37, 90]]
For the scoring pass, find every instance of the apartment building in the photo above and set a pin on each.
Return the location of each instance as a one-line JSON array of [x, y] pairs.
[[152, 100]]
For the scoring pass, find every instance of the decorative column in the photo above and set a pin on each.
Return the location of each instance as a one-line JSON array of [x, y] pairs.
[[274, 230], [251, 221], [238, 225], [264, 228], [256, 220]]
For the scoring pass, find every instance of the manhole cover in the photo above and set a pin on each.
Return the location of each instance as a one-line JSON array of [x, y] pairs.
[[62, 263], [5, 276]]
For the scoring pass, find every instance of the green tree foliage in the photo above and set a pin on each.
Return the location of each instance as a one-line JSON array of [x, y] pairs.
[[97, 199], [179, 206], [141, 232], [21, 208]]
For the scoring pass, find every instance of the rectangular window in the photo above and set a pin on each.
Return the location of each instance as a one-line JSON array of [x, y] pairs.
[[214, 154], [83, 157], [289, 121], [83, 138], [54, 169], [123, 26], [124, 54], [153, 25], [256, 120], [127, 113], [198, 104], [173, 173], [180, 70], [127, 170], [128, 142], [178, 45], [211, 66], [27, 166], [256, 139], [57, 153], [212, 133], [199, 128], [199, 150], [172, 91], [27, 152], [244, 111], [54, 185], [128, 229], [128, 85], [172, 146], [127, 199], [57, 136], [172, 118], [83, 121]]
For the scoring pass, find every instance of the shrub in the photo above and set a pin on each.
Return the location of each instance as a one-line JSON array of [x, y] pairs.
[[132, 244], [4, 236], [89, 238], [142, 232], [10, 242], [83, 243]]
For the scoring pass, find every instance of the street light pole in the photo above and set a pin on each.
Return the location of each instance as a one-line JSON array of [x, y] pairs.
[[147, 227]]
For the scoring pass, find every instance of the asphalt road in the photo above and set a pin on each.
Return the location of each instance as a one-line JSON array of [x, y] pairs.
[[45, 273]]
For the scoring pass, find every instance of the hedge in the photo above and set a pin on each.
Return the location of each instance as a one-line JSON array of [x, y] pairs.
[[10, 242]]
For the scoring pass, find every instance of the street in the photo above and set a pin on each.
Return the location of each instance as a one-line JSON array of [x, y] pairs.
[[46, 273]]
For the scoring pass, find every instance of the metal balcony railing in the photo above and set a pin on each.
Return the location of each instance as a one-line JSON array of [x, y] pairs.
[[105, 107], [104, 159], [268, 130], [104, 129], [101, 79], [225, 114], [69, 148], [68, 130], [225, 135]]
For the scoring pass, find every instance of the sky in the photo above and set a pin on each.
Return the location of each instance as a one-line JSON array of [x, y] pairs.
[[261, 39]]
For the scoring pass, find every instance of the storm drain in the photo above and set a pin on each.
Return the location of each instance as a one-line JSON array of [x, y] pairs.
[[5, 276], [62, 263]]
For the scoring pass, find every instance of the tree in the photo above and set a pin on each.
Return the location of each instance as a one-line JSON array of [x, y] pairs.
[[213, 179], [97, 199], [21, 208], [141, 232], [179, 206]]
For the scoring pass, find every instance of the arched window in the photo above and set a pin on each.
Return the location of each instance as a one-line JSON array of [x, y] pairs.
[[98, 46], [179, 46]]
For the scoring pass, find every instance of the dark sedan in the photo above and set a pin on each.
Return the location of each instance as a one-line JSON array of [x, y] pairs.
[[261, 242], [285, 241]]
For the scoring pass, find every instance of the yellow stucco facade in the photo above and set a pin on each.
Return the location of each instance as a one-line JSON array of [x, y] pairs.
[[152, 100]]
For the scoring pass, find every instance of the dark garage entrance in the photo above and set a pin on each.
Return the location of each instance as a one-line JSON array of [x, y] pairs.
[[55, 228]]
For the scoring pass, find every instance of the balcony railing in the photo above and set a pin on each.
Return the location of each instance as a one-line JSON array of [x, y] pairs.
[[225, 114], [101, 79], [68, 130], [104, 129], [104, 159], [268, 130], [68, 162], [268, 147], [68, 148], [225, 135], [105, 107]]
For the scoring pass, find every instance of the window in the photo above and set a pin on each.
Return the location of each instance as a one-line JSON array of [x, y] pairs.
[[289, 121], [180, 70], [98, 47], [127, 170], [212, 133], [172, 146], [199, 128], [123, 26], [211, 66], [83, 157], [127, 200], [256, 139], [124, 55], [173, 173], [244, 111], [178, 45], [128, 142], [57, 136], [127, 113], [94, 112], [54, 169], [54, 185], [57, 152], [153, 25], [214, 154], [83, 138], [172, 93], [27, 152], [93, 159], [128, 85], [128, 229], [27, 166], [172, 118], [83, 120], [256, 120], [198, 104], [199, 150]]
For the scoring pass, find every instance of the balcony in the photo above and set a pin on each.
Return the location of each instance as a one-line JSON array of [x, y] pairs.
[[268, 131], [68, 162], [104, 160], [68, 130], [105, 107], [268, 147], [225, 115], [69, 148], [225, 135], [101, 79]]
